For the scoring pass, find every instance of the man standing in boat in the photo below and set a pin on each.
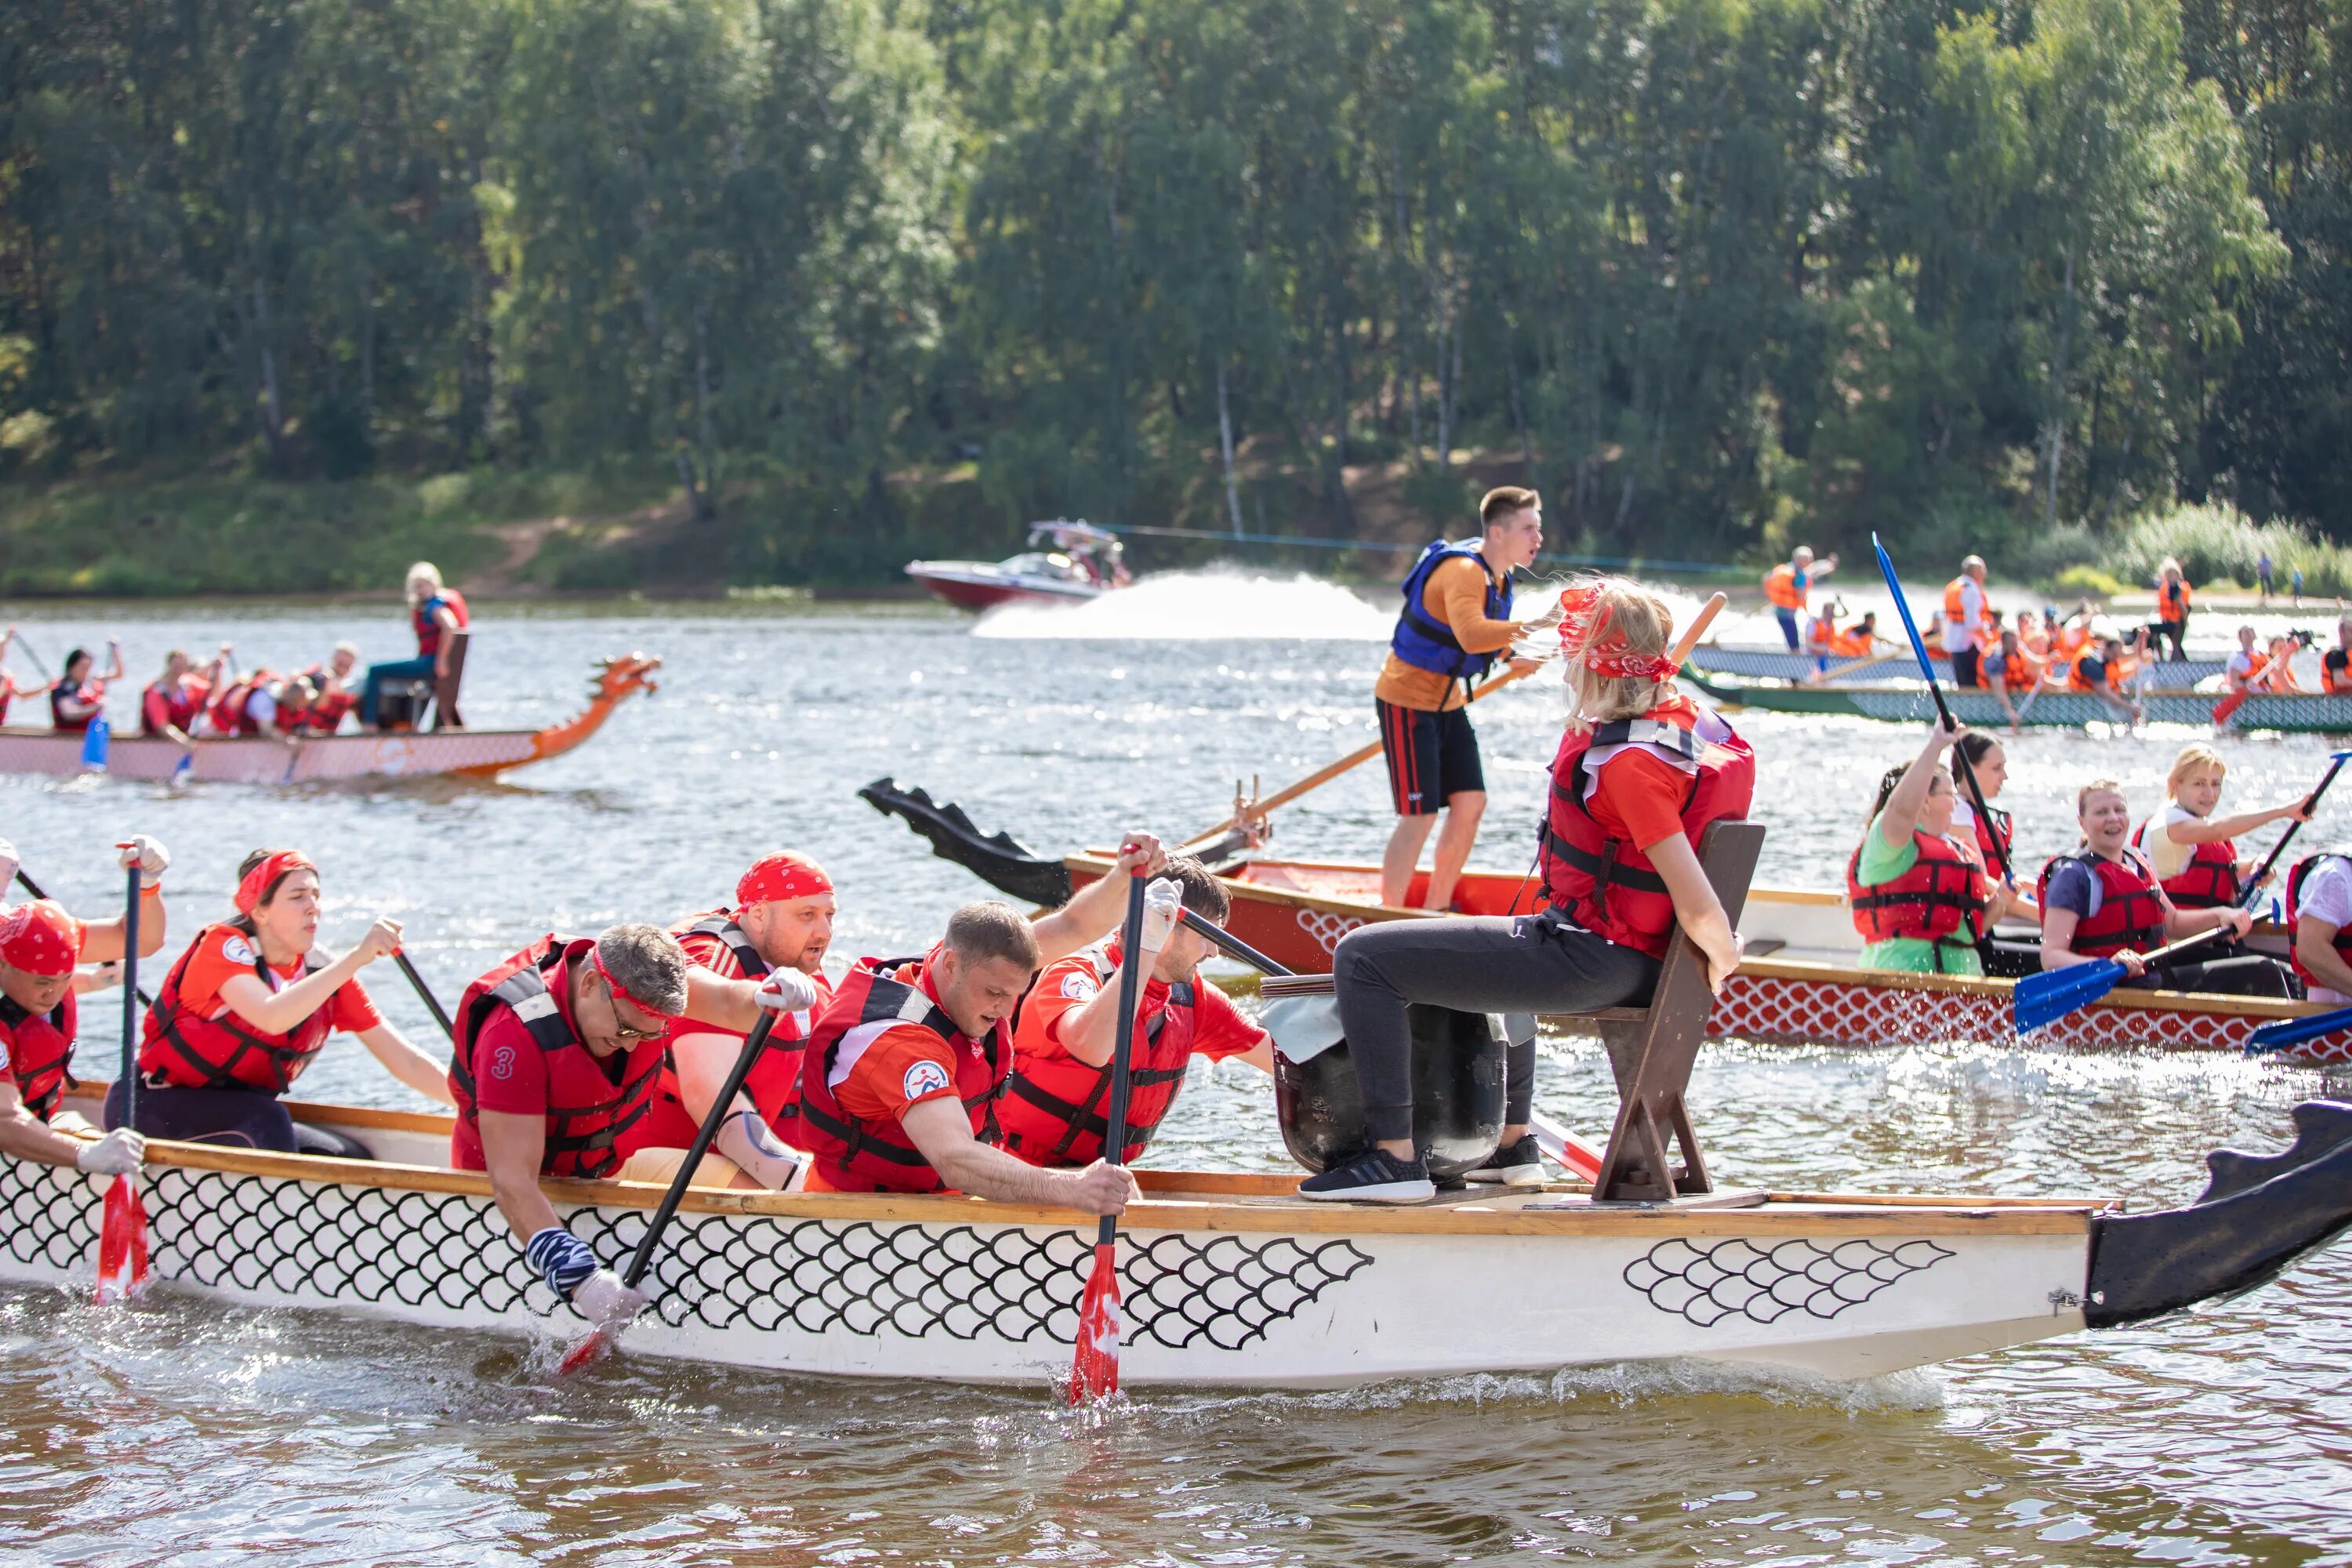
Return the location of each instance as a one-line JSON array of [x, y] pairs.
[[1053, 1110], [1454, 621], [1789, 586]]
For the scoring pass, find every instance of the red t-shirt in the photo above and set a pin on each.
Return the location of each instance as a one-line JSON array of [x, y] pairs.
[[1637, 796], [224, 952], [1220, 1031], [905, 1065], [510, 1070]]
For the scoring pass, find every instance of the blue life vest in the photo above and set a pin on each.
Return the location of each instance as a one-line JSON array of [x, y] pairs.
[[1427, 644]]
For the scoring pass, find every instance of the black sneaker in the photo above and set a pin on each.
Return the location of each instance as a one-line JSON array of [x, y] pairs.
[[1375, 1176], [1518, 1165]]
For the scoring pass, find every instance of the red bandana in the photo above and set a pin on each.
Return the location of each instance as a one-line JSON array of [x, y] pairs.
[[272, 866], [622, 991], [40, 938], [782, 875], [1587, 636]]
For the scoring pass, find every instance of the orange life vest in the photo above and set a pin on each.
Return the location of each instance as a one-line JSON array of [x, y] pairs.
[[1822, 636], [228, 710], [1782, 589], [2018, 672], [1943, 893], [1054, 1108], [854, 1155], [2112, 677], [1606, 885], [2208, 879], [184, 1049], [1955, 610], [37, 1046], [2172, 603]]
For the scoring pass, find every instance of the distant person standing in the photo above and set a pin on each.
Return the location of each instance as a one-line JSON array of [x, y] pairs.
[[1967, 626], [2262, 576], [1454, 621], [1786, 587], [2171, 624], [2295, 579], [438, 614]]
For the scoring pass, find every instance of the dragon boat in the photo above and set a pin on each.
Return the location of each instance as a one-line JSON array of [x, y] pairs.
[[2287, 711], [465, 753], [1801, 982], [1229, 1279], [1760, 661]]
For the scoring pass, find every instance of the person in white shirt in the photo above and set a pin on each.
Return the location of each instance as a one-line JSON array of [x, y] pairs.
[[1966, 626], [2195, 853], [2323, 908]]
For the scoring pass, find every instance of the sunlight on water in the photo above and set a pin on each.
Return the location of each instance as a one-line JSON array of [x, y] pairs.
[[1197, 607]]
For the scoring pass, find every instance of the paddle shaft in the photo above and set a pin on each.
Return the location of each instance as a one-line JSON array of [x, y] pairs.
[[1130, 986], [30, 652], [131, 1001], [130, 989], [425, 994], [1232, 946], [1928, 673], [753, 1043], [1681, 650], [2310, 802]]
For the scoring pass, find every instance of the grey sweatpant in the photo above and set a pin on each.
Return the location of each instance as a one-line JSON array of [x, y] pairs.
[[1523, 964]]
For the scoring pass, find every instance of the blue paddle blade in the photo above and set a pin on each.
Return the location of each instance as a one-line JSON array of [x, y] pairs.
[[2286, 1032], [93, 744], [1903, 608], [2054, 993]]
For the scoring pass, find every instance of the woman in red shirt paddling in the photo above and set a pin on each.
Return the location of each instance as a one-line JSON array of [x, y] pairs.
[[1639, 774]]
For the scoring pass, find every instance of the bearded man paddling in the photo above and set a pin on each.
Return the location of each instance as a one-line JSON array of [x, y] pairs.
[[782, 919], [900, 1078], [1053, 1112], [558, 1053], [40, 945]]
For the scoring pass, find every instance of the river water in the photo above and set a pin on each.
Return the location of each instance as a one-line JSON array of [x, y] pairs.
[[184, 1432]]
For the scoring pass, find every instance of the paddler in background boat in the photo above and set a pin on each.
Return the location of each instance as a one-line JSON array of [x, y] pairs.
[[1788, 585], [558, 1051], [437, 614], [2319, 926], [2013, 674], [41, 948], [78, 696], [1053, 1109], [2335, 665], [782, 919], [2278, 676], [2104, 671], [1640, 772], [1822, 636], [900, 1080], [1454, 621], [174, 699], [2171, 622], [262, 704], [11, 689], [1858, 639], [332, 682], [2101, 900], [2196, 858], [248, 1009], [1921, 897], [1967, 629], [2033, 632], [1988, 760]]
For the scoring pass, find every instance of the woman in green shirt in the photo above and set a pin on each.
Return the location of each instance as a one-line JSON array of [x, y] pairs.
[[1920, 894]]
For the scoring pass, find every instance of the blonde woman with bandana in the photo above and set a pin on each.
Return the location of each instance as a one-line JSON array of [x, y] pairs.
[[1640, 772]]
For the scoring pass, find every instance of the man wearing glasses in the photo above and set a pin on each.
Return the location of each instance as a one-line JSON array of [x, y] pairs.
[[558, 1051]]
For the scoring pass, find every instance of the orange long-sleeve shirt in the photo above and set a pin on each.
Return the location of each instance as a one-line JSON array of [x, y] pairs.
[[1455, 594]]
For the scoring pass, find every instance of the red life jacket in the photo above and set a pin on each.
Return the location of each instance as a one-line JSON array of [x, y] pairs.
[[325, 714], [173, 702], [1987, 833], [2208, 878], [180, 1049], [1055, 1109], [587, 1110], [859, 1156], [715, 942], [2343, 939], [228, 710], [2130, 912], [1606, 885], [38, 1046], [1943, 893], [429, 625]]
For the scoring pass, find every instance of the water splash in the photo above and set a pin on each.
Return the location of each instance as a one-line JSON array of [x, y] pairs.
[[1201, 606]]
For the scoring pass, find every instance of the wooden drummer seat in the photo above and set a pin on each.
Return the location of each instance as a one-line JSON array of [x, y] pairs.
[[1653, 1048]]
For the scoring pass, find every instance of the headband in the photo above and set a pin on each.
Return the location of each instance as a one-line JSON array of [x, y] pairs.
[[782, 875], [1589, 636], [272, 866], [622, 991], [40, 938]]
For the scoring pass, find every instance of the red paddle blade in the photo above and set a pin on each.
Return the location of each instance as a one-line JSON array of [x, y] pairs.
[[1095, 1373], [586, 1352], [122, 1244]]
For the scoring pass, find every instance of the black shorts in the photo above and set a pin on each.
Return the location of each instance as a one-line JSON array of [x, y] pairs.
[[1431, 757]]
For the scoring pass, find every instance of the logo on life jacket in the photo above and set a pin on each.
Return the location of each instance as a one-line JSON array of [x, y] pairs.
[[180, 1049]]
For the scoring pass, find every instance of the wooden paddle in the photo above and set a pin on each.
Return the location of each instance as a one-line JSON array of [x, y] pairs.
[[2310, 802], [1094, 1366], [1842, 671], [1681, 651], [601, 1337], [122, 1231]]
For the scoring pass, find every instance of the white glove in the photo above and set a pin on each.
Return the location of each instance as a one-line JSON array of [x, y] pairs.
[[787, 991], [605, 1302], [151, 859], [1163, 904], [7, 868], [116, 1154], [745, 1139]]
